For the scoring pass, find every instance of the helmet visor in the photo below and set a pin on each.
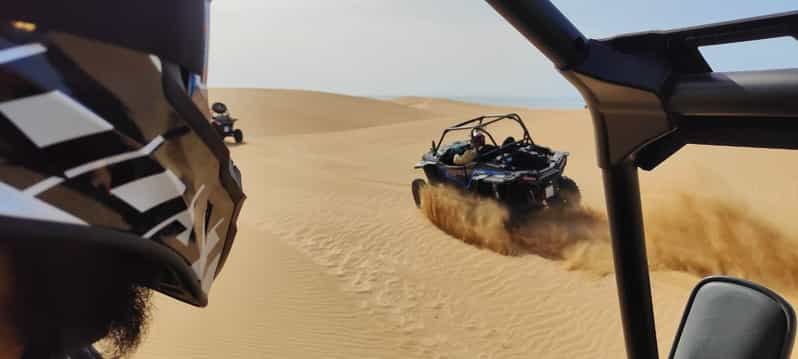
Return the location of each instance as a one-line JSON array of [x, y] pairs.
[[176, 30]]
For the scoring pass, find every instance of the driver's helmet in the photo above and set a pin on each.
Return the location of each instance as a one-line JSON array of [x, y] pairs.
[[78, 98], [478, 140], [219, 108]]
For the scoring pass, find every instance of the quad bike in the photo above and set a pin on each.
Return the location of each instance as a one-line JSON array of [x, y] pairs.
[[520, 174], [224, 123]]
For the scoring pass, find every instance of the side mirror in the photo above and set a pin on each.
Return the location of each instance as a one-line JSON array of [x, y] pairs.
[[734, 319]]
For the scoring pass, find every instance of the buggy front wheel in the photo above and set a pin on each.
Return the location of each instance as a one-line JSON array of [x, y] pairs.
[[569, 195], [417, 185], [238, 135]]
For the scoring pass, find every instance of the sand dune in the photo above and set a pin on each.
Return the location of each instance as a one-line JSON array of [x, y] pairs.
[[452, 107], [334, 261], [284, 112]]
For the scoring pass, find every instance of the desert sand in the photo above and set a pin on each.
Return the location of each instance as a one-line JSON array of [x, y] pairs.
[[333, 260]]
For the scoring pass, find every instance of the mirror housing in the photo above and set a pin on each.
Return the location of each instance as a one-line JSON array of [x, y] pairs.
[[731, 318]]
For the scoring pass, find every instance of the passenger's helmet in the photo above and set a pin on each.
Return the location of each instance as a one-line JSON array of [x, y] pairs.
[[219, 108], [105, 140], [478, 140]]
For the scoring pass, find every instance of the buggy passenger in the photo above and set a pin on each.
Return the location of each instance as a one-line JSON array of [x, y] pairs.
[[471, 151]]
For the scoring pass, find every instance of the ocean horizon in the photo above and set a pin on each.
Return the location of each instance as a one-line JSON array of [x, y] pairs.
[[512, 101]]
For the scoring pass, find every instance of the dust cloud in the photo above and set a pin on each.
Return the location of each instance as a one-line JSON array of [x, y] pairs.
[[700, 236]]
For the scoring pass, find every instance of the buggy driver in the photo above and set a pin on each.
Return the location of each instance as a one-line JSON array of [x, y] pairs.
[[221, 115], [469, 152]]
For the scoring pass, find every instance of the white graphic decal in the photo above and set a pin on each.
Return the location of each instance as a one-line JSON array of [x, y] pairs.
[[21, 52], [52, 118], [122, 157], [148, 192], [186, 218], [204, 269], [206, 239], [16, 203], [156, 62], [42, 186], [160, 226]]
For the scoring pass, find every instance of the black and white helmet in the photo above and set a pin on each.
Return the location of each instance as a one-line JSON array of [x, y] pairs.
[[105, 140]]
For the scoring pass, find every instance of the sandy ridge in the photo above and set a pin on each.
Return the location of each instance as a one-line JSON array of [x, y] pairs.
[[334, 261]]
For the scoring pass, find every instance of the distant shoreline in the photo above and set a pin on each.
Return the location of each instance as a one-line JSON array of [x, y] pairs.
[[531, 102], [511, 101]]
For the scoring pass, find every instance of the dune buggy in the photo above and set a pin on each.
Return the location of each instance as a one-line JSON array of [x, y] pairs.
[[518, 172]]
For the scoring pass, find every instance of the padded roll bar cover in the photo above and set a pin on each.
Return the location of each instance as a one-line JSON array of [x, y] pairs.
[[730, 318], [768, 93]]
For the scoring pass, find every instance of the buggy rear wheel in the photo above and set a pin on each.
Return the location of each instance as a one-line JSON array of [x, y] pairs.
[[569, 195], [238, 136], [417, 185]]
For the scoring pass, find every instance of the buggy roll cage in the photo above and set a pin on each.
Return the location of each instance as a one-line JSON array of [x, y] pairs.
[[480, 126], [650, 94]]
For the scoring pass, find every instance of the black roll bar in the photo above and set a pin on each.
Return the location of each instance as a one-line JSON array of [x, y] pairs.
[[551, 32], [480, 123], [545, 27], [651, 93]]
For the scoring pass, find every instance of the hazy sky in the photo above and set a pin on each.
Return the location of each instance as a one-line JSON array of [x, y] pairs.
[[440, 47]]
